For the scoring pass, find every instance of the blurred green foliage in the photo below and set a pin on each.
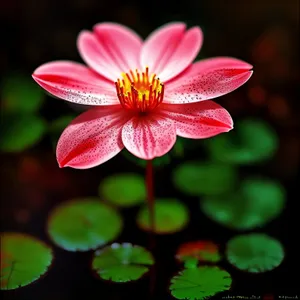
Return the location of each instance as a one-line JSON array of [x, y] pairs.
[[252, 141], [256, 202], [19, 132], [171, 216], [204, 178], [123, 189], [21, 95], [23, 260]]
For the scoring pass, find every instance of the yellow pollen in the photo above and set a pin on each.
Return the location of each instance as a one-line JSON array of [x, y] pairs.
[[139, 91]]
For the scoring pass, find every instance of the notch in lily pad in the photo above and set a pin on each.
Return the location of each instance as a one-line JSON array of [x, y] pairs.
[[257, 202], [84, 224], [253, 141], [202, 251], [24, 259], [170, 216], [122, 262], [200, 283], [20, 132], [254, 252], [204, 178], [123, 190]]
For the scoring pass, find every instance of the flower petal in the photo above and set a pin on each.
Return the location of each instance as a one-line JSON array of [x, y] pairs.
[[198, 120], [92, 138], [75, 83], [208, 79], [148, 137], [170, 49], [110, 50]]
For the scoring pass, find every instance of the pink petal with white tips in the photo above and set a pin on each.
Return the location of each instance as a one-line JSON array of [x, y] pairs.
[[92, 138], [208, 79], [149, 136], [170, 49], [198, 120], [110, 50], [75, 83]]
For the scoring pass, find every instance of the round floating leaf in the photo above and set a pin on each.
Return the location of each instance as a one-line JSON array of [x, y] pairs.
[[257, 202], [252, 141], [122, 262], [170, 216], [20, 94], [201, 250], [200, 283], [23, 260], [83, 224], [157, 162], [123, 189], [254, 252], [196, 178], [19, 132]]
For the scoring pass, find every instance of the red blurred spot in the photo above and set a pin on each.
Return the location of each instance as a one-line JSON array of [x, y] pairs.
[[22, 216], [257, 95], [29, 169], [195, 249], [278, 107]]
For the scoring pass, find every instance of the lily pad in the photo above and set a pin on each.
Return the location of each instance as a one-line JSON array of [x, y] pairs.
[[122, 262], [20, 94], [252, 141], [170, 216], [255, 252], [199, 178], [200, 283], [24, 259], [123, 189], [19, 132], [83, 224], [206, 251], [255, 203]]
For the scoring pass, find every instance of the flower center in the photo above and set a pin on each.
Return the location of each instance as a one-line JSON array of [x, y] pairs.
[[138, 91]]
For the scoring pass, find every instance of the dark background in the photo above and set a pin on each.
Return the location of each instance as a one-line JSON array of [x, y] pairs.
[[263, 33]]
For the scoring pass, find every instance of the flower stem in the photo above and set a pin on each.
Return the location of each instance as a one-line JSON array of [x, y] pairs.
[[150, 194]]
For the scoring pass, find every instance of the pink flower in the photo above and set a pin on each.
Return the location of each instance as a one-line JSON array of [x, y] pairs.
[[142, 94]]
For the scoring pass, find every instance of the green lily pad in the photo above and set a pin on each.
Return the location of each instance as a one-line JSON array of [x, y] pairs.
[[200, 283], [201, 250], [24, 259], [83, 224], [123, 189], [255, 252], [198, 178], [170, 216], [20, 94], [255, 203], [122, 262], [252, 141], [19, 132]]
